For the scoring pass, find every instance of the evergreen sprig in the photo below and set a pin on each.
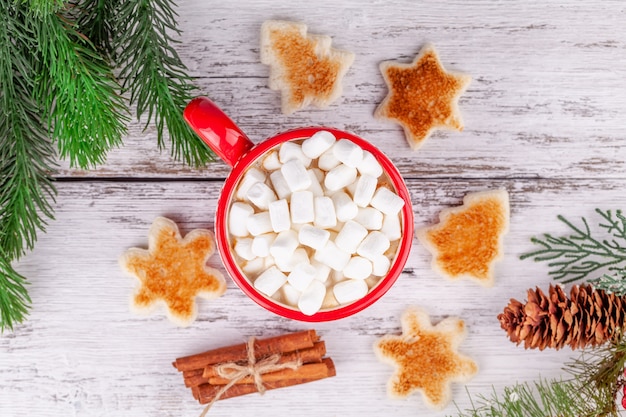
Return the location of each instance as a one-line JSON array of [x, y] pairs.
[[26, 189], [57, 84], [155, 75], [591, 390], [87, 114], [612, 283], [579, 255], [14, 299]]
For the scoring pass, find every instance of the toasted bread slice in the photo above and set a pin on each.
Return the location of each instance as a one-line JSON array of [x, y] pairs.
[[468, 239], [304, 68], [422, 96], [426, 358], [173, 271]]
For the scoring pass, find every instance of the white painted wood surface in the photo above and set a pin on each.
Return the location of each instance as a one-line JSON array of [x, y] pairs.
[[544, 119]]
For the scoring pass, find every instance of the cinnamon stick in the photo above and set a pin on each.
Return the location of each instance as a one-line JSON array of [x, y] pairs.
[[205, 393], [311, 370], [310, 355], [262, 347]]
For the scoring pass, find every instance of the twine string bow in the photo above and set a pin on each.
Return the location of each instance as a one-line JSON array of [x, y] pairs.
[[235, 373]]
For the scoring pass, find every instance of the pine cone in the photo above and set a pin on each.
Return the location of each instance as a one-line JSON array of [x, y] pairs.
[[588, 318]]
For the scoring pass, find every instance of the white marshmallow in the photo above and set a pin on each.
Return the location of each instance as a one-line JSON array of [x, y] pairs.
[[358, 268], [348, 152], [259, 223], [369, 165], [271, 161], [279, 215], [312, 298], [302, 275], [350, 189], [337, 276], [350, 236], [370, 218], [319, 174], [312, 236], [261, 244], [350, 290], [284, 245], [315, 186], [387, 201], [295, 174], [261, 195], [345, 208], [251, 177], [243, 248], [237, 217], [332, 256], [290, 294], [364, 191], [322, 270], [254, 267], [268, 262], [290, 150], [339, 177], [280, 184], [287, 264], [391, 227], [301, 207], [374, 245], [325, 216], [317, 144], [327, 160], [270, 281], [381, 265]]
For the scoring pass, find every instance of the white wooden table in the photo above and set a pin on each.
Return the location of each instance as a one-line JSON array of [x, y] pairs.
[[544, 118]]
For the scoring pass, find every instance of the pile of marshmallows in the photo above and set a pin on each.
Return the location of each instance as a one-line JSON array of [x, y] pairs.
[[311, 207]]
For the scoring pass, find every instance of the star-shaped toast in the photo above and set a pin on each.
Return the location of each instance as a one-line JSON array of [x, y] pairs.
[[422, 96], [426, 358], [468, 239], [304, 68], [173, 271]]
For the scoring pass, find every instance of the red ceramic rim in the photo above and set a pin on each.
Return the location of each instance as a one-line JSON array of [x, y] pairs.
[[242, 281]]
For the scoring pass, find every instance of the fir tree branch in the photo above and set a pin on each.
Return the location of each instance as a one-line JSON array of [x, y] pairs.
[[45, 7], [612, 283], [155, 75], [79, 93], [96, 20], [579, 255], [591, 391], [26, 189], [14, 299]]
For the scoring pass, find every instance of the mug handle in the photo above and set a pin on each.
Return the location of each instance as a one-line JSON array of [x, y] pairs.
[[217, 130]]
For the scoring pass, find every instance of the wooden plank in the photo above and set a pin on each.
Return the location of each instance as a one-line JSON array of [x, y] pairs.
[[83, 353], [543, 102]]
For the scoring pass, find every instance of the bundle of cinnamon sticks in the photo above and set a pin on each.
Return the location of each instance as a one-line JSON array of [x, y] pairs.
[[201, 371]]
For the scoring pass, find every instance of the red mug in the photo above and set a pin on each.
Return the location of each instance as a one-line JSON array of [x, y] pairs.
[[223, 136]]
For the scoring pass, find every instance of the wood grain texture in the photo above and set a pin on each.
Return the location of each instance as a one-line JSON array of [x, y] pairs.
[[82, 353], [543, 119], [545, 100]]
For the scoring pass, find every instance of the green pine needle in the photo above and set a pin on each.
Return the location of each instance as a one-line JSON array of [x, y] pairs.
[[580, 255], [155, 75], [96, 20], [45, 7], [612, 283], [591, 391], [26, 190], [79, 92], [14, 299]]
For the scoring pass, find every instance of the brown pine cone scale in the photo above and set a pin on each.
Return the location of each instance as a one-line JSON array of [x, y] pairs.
[[589, 317]]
